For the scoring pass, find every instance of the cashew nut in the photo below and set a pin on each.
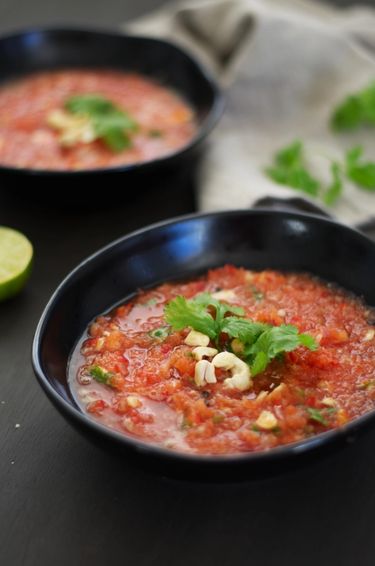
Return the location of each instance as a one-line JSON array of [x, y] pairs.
[[369, 335], [201, 352], [204, 373], [225, 295], [266, 420], [237, 346], [241, 377], [195, 338], [73, 129]]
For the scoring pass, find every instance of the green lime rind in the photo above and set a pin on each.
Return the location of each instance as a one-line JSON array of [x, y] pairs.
[[16, 256]]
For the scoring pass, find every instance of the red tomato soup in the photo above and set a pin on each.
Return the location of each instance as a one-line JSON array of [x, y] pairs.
[[41, 129], [235, 361]]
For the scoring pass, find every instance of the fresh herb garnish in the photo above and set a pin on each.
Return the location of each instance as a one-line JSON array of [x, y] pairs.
[[100, 374], [217, 419], [150, 303], [258, 295], [160, 333], [110, 123], [356, 110], [262, 342], [317, 415], [290, 169], [275, 341], [181, 313], [334, 190], [362, 173], [155, 133]]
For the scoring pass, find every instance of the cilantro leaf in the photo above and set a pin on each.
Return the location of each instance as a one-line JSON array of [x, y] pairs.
[[244, 329], [261, 342], [316, 415], [356, 110], [260, 363], [181, 313], [110, 123], [274, 341], [360, 172], [159, 333], [100, 374], [334, 190], [205, 300], [289, 169]]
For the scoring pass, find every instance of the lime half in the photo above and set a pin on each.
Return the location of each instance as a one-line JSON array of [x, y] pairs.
[[16, 253]]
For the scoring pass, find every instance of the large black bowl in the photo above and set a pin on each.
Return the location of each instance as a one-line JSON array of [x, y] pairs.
[[49, 49], [181, 248]]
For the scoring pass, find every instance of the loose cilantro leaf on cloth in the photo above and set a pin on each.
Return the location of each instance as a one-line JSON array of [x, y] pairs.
[[362, 173], [334, 190], [289, 168], [356, 110], [262, 342], [110, 124]]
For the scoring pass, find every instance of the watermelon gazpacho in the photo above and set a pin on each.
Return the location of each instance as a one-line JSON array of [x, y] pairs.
[[78, 119], [233, 361]]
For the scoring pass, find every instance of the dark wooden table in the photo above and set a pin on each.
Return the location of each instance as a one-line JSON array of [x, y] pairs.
[[64, 502]]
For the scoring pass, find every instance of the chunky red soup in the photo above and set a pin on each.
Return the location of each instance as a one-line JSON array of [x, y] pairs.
[[40, 129], [235, 361]]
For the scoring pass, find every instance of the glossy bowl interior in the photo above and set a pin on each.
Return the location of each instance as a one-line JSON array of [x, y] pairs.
[[181, 248], [50, 49]]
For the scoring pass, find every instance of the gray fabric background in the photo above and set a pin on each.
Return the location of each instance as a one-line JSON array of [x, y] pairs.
[[19, 13]]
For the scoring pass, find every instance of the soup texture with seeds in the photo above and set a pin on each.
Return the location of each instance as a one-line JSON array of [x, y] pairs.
[[234, 361], [77, 119]]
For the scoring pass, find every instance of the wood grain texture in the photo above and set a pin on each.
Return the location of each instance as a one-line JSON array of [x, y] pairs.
[[62, 501]]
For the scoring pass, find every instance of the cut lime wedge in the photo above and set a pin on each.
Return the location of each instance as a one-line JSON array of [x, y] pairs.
[[16, 253]]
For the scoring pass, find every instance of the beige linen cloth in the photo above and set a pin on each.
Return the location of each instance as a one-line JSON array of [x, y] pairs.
[[283, 64]]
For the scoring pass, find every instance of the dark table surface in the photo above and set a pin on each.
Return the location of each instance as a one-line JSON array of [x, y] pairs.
[[62, 501]]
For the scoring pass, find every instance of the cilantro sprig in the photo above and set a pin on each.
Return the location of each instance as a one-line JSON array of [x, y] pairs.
[[290, 168], [110, 123], [262, 342], [362, 173], [101, 375], [355, 110]]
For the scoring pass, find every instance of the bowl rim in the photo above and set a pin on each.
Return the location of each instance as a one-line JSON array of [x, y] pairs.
[[291, 450], [214, 114]]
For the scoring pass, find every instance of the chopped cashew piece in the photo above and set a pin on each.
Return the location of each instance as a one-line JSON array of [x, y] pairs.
[[329, 402], [201, 352], [279, 390], [237, 346], [195, 338], [261, 395], [240, 371], [369, 335], [266, 420], [133, 401], [225, 295], [204, 373], [73, 129]]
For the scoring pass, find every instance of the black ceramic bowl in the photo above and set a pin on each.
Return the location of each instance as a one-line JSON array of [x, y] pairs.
[[256, 239], [49, 49]]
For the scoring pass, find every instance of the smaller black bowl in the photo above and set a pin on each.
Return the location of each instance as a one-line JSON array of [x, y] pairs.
[[51, 49], [256, 239]]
